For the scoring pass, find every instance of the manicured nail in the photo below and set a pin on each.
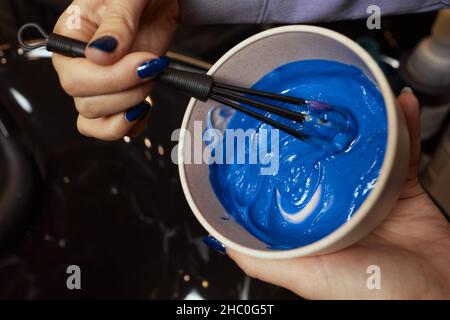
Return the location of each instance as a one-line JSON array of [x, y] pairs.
[[137, 112], [407, 90], [152, 67], [213, 243], [106, 44]]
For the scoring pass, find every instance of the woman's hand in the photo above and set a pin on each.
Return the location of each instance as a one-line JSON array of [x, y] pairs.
[[126, 39], [411, 247]]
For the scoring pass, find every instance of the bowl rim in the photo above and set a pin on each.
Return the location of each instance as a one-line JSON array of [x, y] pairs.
[[389, 157]]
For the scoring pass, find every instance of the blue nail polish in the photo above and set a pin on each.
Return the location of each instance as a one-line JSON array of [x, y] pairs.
[[152, 67], [137, 112], [213, 243], [106, 44]]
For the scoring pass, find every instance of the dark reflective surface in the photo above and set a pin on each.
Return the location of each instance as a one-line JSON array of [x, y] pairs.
[[116, 209]]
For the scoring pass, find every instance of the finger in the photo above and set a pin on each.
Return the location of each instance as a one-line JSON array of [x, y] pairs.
[[83, 78], [410, 107], [297, 275], [139, 127], [84, 32], [112, 127], [157, 29], [88, 21], [117, 31], [104, 105]]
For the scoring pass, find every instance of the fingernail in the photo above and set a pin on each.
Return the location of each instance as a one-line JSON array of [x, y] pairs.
[[137, 112], [213, 243], [407, 90], [106, 44], [152, 67]]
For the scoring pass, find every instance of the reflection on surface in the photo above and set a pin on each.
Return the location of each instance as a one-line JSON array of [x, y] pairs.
[[114, 209]]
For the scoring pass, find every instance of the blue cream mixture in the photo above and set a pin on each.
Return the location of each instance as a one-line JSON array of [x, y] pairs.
[[320, 182]]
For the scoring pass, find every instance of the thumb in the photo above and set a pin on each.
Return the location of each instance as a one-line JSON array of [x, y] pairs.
[[115, 36], [410, 107], [303, 276]]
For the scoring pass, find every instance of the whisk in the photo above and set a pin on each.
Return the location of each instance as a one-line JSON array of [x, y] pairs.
[[198, 85]]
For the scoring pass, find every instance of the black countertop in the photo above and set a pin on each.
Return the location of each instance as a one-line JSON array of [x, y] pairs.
[[115, 209]]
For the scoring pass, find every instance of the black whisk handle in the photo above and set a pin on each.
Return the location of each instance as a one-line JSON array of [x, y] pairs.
[[53, 42], [197, 85], [66, 46]]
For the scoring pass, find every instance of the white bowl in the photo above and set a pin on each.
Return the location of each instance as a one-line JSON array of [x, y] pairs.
[[244, 65]]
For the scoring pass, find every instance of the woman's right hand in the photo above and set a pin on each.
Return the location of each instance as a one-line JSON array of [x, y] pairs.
[[126, 41]]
